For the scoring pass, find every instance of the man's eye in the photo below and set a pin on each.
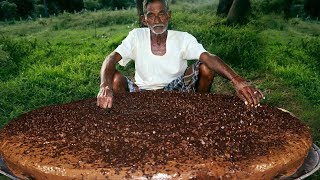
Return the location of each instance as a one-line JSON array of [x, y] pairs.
[[150, 15]]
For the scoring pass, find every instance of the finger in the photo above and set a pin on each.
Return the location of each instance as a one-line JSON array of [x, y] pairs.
[[98, 103], [101, 101], [104, 92], [242, 98], [248, 96], [109, 102], [261, 95], [256, 99], [104, 102], [258, 96], [254, 96]]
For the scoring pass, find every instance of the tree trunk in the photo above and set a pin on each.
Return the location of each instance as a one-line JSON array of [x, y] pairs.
[[287, 8], [224, 7], [312, 7], [45, 8], [139, 5], [238, 11]]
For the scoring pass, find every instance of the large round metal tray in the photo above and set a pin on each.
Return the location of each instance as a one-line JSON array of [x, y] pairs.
[[310, 166]]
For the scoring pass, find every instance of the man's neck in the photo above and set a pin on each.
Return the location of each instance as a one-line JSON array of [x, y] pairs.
[[158, 43], [159, 38]]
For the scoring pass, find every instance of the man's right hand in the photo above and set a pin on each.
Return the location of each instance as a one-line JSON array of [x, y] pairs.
[[105, 97]]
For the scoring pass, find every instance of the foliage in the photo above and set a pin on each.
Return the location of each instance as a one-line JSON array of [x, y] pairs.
[[39, 10], [24, 7], [28, 9], [7, 10], [224, 7], [117, 4], [269, 6], [100, 19], [92, 4], [58, 6], [12, 52], [290, 8], [70, 5], [312, 7]]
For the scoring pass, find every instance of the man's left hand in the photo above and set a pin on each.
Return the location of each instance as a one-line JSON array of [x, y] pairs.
[[247, 92]]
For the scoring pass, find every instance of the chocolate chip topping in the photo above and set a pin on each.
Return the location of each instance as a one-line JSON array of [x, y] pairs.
[[151, 128]]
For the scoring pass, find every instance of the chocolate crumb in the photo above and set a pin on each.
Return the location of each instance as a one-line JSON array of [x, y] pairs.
[[156, 125]]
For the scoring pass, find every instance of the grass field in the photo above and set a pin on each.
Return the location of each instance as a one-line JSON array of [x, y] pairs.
[[58, 59]]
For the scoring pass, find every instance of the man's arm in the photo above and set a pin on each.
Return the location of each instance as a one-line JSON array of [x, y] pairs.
[[248, 93], [105, 95]]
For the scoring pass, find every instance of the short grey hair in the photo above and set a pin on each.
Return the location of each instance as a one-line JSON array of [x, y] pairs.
[[146, 2]]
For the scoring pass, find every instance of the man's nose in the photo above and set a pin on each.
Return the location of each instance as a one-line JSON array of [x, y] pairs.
[[157, 19]]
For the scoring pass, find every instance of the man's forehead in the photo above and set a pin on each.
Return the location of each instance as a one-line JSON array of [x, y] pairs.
[[156, 6]]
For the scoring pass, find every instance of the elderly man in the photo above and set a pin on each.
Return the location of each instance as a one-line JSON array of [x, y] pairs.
[[161, 56]]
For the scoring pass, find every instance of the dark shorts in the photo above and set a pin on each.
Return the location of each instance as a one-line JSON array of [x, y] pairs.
[[184, 83]]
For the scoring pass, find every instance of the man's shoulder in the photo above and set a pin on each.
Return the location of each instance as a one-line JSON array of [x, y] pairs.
[[181, 35], [176, 32], [139, 30]]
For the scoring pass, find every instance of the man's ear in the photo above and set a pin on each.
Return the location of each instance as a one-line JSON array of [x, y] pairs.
[[169, 15], [143, 20]]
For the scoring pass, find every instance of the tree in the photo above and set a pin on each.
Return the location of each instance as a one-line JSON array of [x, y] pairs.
[[224, 7], [106, 3], [92, 4], [238, 11], [39, 9], [7, 10], [117, 4], [276, 6], [45, 8], [287, 8], [24, 7], [70, 5], [139, 5], [312, 7]]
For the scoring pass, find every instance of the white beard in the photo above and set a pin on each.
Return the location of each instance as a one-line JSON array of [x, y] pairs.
[[164, 28]]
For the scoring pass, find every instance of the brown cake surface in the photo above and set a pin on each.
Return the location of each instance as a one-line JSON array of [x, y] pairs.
[[155, 134]]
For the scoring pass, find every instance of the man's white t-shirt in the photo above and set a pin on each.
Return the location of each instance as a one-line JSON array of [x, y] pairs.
[[153, 71]]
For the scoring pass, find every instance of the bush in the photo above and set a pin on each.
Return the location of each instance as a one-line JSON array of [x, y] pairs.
[[270, 6], [12, 52], [70, 5], [7, 10], [312, 7], [24, 7], [92, 4], [39, 9], [117, 4], [99, 19]]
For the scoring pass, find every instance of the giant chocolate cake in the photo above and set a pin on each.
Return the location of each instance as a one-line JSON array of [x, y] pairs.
[[155, 135]]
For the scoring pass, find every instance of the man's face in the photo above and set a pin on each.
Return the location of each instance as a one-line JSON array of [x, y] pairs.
[[157, 17]]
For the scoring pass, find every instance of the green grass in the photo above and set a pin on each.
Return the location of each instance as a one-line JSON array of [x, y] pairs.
[[58, 59]]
